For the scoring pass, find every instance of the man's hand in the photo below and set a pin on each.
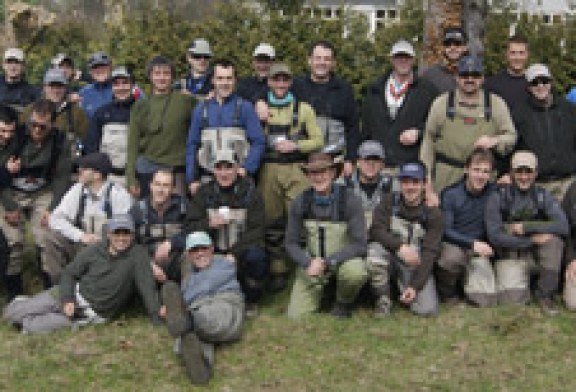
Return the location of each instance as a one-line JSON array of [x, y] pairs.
[[45, 218], [571, 271], [230, 257], [409, 255], [262, 110], [158, 272], [68, 309], [316, 267], [74, 98], [162, 311], [409, 137], [216, 220], [88, 239], [348, 169], [12, 217], [515, 229], [540, 239], [162, 253], [285, 146], [430, 197], [242, 171], [193, 187], [486, 142], [13, 165], [482, 249], [134, 190], [504, 180], [408, 295]]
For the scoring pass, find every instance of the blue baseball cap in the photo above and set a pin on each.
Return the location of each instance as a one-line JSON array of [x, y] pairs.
[[197, 239], [470, 64], [121, 222], [414, 170]]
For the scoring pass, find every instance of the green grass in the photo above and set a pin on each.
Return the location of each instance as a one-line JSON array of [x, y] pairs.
[[501, 349]]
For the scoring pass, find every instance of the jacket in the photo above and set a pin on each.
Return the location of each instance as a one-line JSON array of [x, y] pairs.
[[112, 112], [218, 277]]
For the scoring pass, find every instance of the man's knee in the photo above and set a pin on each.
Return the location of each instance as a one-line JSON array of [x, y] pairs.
[[353, 272]]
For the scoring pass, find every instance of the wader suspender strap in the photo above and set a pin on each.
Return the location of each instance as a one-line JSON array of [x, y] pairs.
[[235, 119], [146, 217], [82, 205], [507, 199], [451, 107], [339, 193]]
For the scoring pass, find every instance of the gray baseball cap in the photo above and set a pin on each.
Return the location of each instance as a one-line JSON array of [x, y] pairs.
[[120, 72], [98, 58], [200, 46], [121, 222], [371, 148], [55, 76]]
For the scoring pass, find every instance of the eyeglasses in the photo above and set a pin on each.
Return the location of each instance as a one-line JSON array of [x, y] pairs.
[[200, 56], [523, 170], [452, 42], [468, 75], [538, 81], [37, 125]]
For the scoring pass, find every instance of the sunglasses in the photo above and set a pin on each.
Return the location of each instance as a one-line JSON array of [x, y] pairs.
[[523, 170], [198, 248], [538, 81], [36, 125], [473, 75], [452, 42], [200, 56]]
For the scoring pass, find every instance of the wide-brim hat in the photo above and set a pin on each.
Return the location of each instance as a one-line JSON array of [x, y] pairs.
[[321, 161]]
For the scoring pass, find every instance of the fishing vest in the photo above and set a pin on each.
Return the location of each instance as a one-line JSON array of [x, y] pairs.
[[223, 138], [334, 133], [292, 131], [326, 236], [410, 232], [226, 236], [93, 223], [369, 204], [151, 234], [511, 215], [114, 143]]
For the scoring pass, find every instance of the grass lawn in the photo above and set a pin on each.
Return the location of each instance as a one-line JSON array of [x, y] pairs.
[[503, 349]]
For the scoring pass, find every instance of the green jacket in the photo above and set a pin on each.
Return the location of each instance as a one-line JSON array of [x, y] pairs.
[[158, 131]]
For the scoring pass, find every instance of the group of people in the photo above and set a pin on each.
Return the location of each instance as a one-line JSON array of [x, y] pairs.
[[208, 192]]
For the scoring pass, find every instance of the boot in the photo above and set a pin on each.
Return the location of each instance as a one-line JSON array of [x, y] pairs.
[[197, 367], [14, 287], [178, 319], [341, 310]]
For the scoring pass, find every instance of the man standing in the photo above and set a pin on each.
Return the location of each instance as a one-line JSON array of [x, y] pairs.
[[409, 233], [225, 122], [510, 84], [525, 225], [99, 92], [443, 75], [94, 288], [255, 87], [80, 216], [546, 125], [38, 186], [462, 120], [207, 310], [396, 106], [14, 90], [466, 253], [230, 208], [331, 219], [157, 131], [198, 82], [108, 131], [291, 134], [159, 220]]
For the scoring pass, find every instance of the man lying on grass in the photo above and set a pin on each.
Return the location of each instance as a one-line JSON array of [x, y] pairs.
[[101, 280]]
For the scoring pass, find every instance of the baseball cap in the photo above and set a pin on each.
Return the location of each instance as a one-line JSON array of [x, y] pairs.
[[279, 69], [120, 72], [454, 34], [14, 54], [55, 76], [414, 170], [60, 58], [402, 47], [537, 70], [524, 159], [264, 49], [197, 239], [225, 156], [470, 64], [98, 161], [200, 46], [121, 222], [371, 148], [98, 58]]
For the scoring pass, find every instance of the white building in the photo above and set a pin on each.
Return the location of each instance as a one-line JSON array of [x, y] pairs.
[[549, 11]]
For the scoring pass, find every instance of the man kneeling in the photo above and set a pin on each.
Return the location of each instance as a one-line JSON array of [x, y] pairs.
[[208, 309], [93, 288]]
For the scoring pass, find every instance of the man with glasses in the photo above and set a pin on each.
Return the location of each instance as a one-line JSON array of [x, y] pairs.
[[526, 226], [443, 75], [396, 106], [546, 125], [462, 120], [94, 288], [44, 167], [198, 82], [15, 91]]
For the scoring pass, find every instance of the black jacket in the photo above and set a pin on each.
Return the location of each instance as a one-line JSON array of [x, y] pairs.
[[550, 133], [112, 112], [252, 88], [378, 125], [19, 94]]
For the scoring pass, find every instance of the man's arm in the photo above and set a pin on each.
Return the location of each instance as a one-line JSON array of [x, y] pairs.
[[133, 143], [197, 216], [94, 136], [61, 174], [435, 121], [255, 224], [294, 228], [506, 133], [62, 217], [495, 229], [380, 229], [193, 142], [73, 272], [146, 285], [556, 224], [314, 140], [450, 234], [430, 249], [255, 137]]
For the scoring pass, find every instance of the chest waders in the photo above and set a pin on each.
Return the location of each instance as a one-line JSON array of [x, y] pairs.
[[93, 223], [114, 143], [291, 131], [369, 203], [334, 133], [222, 139], [151, 234]]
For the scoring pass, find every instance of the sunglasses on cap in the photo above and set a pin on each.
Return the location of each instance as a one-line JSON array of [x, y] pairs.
[[474, 75], [200, 56], [540, 80]]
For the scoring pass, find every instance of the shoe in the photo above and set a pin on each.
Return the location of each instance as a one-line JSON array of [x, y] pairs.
[[548, 307], [277, 283], [341, 311], [383, 307], [197, 368], [251, 309], [178, 319]]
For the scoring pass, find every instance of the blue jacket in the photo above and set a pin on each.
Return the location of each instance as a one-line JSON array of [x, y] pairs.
[[112, 112], [218, 277], [223, 116], [95, 95]]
